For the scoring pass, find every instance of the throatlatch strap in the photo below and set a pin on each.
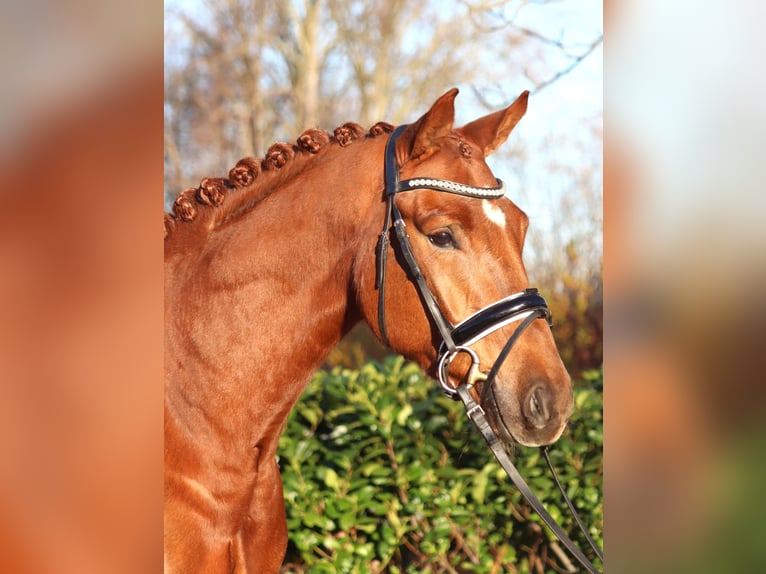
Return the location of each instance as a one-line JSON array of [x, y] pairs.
[[478, 417], [380, 272], [391, 183], [432, 306], [444, 326]]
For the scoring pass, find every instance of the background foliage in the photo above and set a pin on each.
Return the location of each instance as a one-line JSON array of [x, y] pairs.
[[382, 473]]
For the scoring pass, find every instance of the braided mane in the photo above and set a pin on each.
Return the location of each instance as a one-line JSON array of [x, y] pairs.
[[218, 200]]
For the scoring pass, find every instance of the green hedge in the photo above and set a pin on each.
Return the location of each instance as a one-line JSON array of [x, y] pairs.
[[382, 473]]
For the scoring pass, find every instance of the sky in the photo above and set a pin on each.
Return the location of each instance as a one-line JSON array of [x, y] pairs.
[[559, 120]]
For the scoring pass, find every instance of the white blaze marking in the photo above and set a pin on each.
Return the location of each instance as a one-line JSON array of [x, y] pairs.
[[493, 213]]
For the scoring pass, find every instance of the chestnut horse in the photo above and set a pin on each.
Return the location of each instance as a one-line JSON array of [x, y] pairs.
[[267, 269]]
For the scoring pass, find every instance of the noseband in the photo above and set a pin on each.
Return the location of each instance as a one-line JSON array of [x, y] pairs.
[[525, 307]]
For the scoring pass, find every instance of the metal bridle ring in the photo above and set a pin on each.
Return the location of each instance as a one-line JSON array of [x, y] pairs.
[[444, 363]]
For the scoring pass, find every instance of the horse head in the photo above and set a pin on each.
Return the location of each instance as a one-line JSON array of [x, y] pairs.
[[466, 238]]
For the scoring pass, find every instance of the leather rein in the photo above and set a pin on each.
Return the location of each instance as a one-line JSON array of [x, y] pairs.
[[525, 307]]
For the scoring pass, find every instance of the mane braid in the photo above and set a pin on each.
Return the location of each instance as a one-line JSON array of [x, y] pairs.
[[219, 200]]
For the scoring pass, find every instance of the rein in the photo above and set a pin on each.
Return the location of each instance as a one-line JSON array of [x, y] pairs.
[[526, 307]]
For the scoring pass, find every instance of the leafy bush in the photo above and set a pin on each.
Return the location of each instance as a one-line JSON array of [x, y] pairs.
[[382, 473]]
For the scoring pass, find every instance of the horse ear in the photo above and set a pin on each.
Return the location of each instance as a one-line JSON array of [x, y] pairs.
[[421, 137], [492, 130]]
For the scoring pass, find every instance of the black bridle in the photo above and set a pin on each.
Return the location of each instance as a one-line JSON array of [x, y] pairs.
[[525, 307]]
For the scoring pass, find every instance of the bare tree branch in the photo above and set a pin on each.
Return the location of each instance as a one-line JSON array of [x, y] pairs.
[[563, 72]]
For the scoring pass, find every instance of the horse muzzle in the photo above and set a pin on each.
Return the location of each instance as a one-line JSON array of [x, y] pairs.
[[536, 416], [532, 412]]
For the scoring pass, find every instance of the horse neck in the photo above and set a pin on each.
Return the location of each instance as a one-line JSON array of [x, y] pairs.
[[256, 309]]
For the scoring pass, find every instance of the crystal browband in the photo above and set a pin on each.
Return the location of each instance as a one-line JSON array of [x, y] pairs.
[[453, 187]]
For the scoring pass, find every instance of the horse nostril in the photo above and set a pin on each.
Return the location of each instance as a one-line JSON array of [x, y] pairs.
[[536, 406]]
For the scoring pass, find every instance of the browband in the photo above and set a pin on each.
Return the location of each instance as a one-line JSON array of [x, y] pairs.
[[453, 187], [394, 186]]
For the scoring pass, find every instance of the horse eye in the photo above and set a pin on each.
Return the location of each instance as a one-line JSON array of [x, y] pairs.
[[442, 239]]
